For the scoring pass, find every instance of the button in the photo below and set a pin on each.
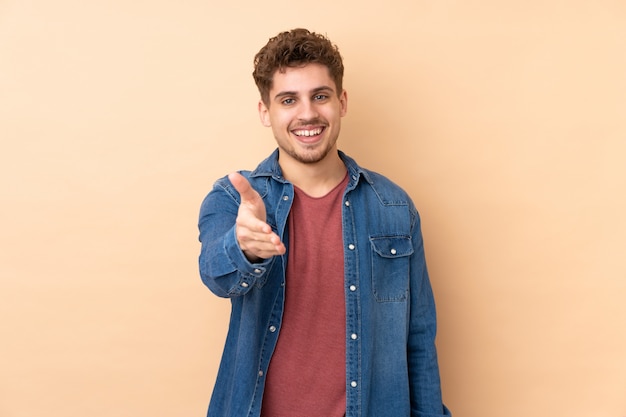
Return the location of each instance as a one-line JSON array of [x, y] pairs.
[[285, 197], [351, 246], [352, 287], [353, 384], [257, 271], [353, 336], [244, 284], [260, 373], [393, 251], [272, 329], [347, 204]]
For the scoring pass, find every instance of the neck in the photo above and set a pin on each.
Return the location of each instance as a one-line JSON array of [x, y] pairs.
[[315, 179]]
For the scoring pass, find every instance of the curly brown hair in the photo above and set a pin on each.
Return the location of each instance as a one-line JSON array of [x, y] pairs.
[[295, 48]]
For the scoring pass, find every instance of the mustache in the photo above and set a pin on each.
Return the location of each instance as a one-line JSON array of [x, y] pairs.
[[310, 122]]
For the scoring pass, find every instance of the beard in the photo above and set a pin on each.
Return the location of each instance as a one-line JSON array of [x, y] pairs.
[[310, 154]]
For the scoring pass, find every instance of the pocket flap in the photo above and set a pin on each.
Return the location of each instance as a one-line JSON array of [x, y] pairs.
[[392, 246]]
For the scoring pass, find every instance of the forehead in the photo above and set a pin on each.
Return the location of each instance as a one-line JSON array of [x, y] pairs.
[[302, 79]]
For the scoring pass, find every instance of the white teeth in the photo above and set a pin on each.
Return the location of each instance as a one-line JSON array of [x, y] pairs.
[[308, 132]]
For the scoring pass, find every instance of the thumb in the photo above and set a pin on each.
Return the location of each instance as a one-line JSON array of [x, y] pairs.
[[242, 185]]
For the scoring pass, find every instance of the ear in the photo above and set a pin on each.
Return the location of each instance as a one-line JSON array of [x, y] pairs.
[[343, 102], [264, 114]]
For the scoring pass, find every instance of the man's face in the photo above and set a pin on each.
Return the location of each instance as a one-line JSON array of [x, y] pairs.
[[304, 112]]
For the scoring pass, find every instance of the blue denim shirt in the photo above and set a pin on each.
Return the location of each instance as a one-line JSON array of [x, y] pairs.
[[391, 359]]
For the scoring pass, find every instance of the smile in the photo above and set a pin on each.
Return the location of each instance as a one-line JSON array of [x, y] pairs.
[[308, 132]]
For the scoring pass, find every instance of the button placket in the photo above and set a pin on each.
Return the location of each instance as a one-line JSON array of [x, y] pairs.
[[352, 303]]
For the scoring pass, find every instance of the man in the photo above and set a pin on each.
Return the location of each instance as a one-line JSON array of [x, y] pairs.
[[323, 261]]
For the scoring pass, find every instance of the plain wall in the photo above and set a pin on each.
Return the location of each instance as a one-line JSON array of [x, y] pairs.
[[505, 120]]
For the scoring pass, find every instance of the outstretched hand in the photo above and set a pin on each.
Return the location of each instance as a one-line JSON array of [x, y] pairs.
[[254, 235]]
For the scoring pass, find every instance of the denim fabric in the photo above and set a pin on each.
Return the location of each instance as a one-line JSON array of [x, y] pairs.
[[391, 360]]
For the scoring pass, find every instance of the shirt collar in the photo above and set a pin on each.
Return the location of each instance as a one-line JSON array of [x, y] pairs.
[[271, 168]]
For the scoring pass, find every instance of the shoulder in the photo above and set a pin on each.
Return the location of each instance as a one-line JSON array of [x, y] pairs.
[[387, 191]]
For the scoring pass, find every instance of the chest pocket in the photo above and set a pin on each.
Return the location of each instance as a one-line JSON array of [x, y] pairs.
[[391, 267]]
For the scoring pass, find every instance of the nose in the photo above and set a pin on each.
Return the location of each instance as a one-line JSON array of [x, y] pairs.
[[308, 110]]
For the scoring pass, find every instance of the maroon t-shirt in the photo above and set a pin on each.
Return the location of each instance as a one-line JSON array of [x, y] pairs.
[[307, 373]]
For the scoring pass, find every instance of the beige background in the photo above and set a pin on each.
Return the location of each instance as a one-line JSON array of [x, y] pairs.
[[505, 120]]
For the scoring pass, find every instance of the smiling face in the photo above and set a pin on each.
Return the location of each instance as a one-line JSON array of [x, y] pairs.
[[304, 111]]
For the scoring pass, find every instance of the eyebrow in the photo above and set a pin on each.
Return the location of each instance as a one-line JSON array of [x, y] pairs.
[[295, 93]]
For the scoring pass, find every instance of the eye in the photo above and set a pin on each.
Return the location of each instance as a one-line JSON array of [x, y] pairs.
[[320, 97], [288, 101]]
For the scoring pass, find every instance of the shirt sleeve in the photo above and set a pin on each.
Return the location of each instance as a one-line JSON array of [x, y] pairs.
[[425, 386], [224, 268]]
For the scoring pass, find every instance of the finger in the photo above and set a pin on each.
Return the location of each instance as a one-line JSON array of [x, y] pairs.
[[249, 236], [243, 187], [279, 246], [249, 239], [248, 222], [265, 247]]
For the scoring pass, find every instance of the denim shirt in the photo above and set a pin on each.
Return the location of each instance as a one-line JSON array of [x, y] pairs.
[[391, 359]]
